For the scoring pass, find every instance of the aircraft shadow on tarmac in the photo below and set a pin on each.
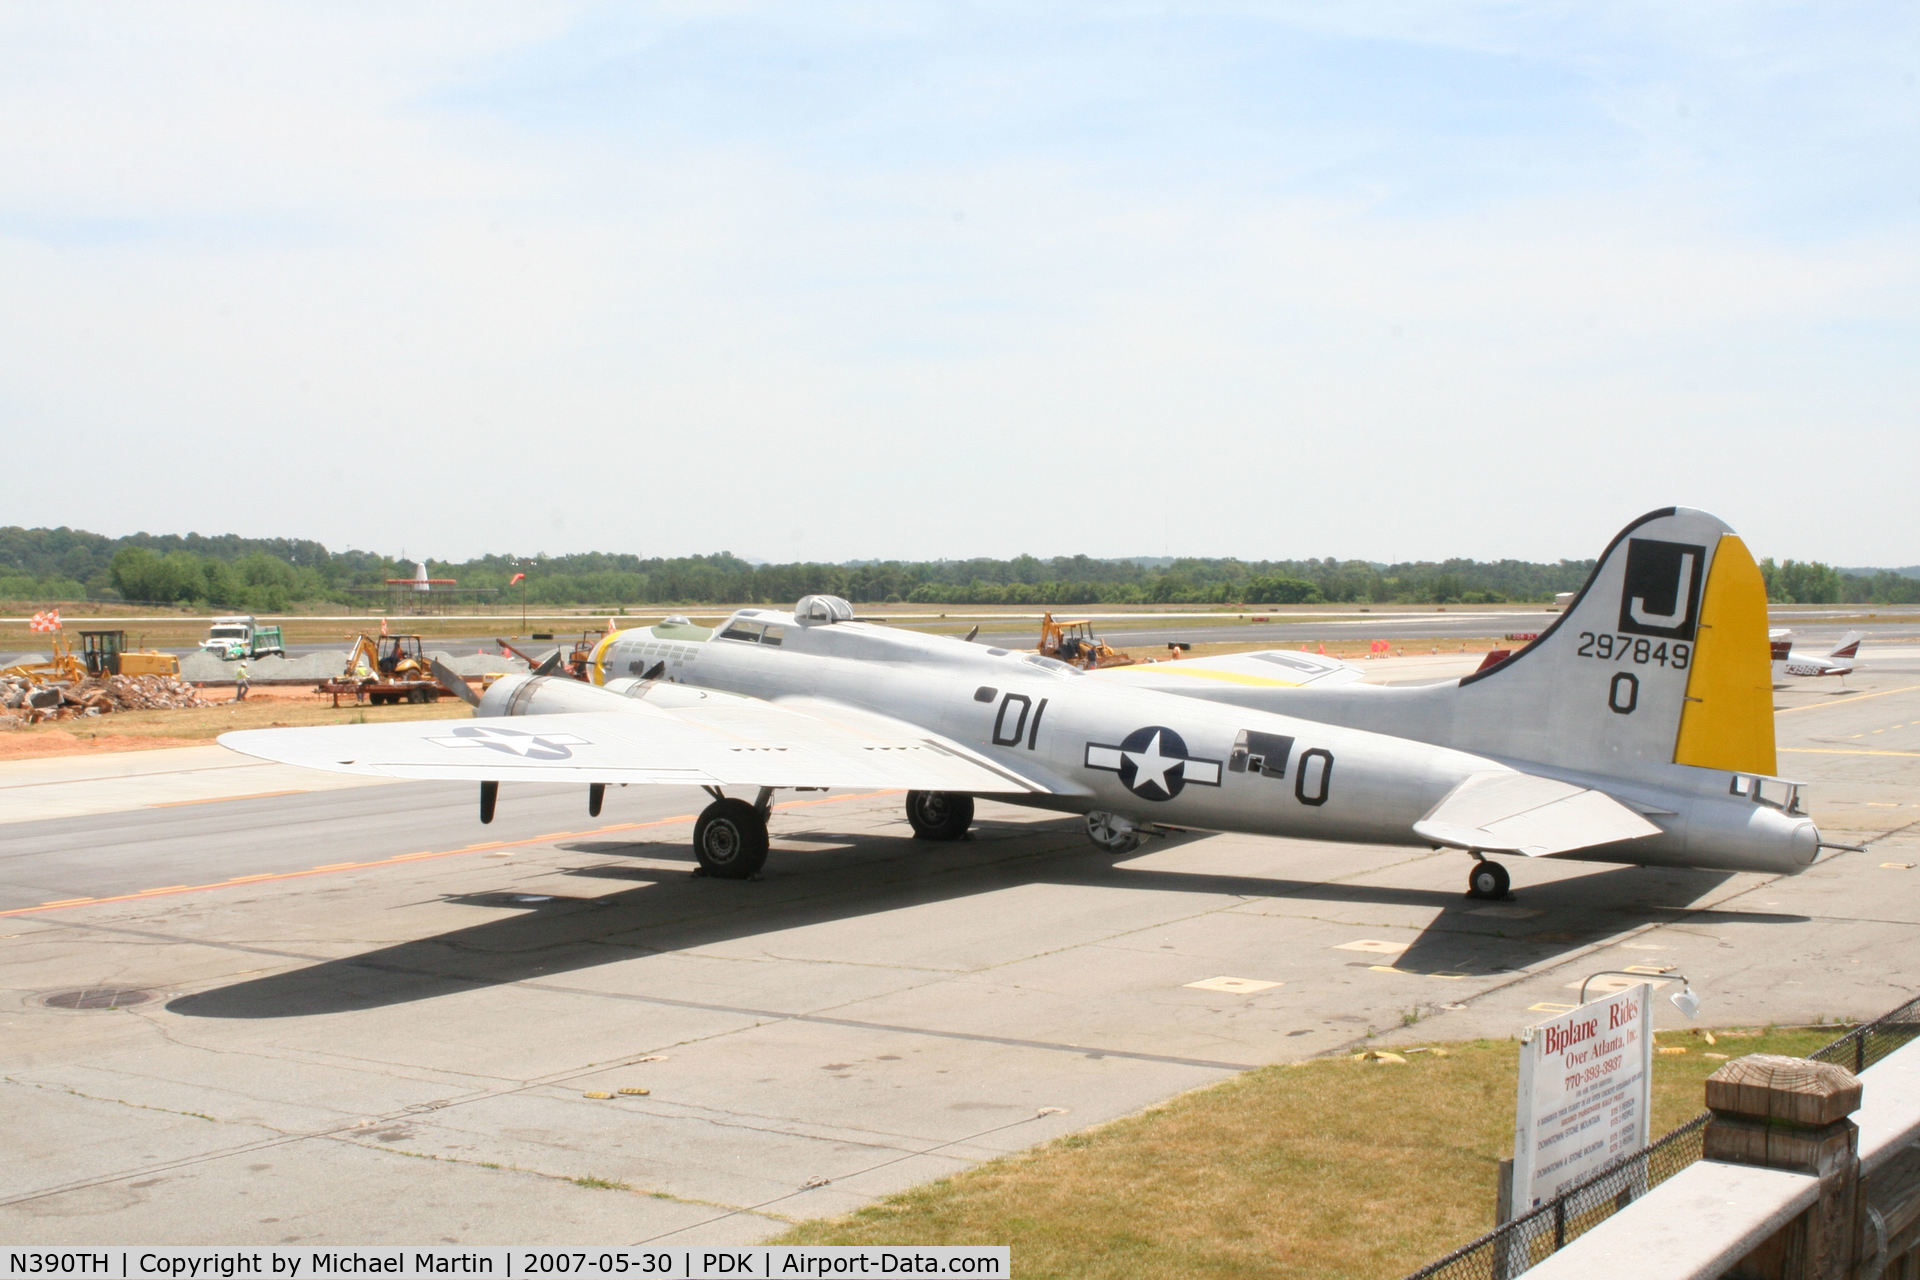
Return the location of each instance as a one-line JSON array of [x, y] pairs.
[[552, 935]]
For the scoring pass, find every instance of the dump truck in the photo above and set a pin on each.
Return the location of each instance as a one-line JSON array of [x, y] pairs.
[[239, 636]]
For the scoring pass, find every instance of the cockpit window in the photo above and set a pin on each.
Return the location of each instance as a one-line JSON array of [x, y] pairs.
[[748, 631], [1054, 665]]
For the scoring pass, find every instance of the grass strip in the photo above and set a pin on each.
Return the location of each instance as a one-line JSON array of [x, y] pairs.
[[1330, 1168]]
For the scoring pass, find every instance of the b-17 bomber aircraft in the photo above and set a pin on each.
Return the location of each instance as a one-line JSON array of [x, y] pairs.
[[1637, 729]]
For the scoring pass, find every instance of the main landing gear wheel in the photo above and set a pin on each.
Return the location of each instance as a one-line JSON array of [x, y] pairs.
[[939, 815], [1113, 833], [730, 839], [1487, 880]]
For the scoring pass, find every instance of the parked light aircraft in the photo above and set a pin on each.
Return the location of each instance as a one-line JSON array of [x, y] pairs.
[[1787, 661], [1637, 729]]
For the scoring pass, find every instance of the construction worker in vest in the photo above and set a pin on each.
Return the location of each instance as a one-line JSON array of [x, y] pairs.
[[240, 682], [361, 679]]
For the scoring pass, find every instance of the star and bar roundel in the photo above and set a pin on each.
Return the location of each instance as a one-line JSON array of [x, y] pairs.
[[1153, 763], [514, 742]]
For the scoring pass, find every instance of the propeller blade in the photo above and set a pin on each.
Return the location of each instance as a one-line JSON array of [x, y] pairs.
[[971, 634], [455, 682], [489, 796], [509, 649], [547, 664]]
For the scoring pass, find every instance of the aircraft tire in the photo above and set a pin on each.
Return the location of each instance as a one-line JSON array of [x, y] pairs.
[[939, 815], [1112, 834], [730, 840], [1488, 880]]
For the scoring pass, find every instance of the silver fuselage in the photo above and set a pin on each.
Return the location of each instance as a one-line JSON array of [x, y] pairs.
[[1158, 757]]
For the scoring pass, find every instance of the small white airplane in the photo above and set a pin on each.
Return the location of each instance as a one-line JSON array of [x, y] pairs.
[[1838, 661], [1637, 729]]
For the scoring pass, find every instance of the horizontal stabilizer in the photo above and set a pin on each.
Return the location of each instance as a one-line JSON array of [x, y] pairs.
[[1508, 812]]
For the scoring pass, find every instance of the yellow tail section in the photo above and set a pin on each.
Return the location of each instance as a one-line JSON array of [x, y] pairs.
[[1727, 722]]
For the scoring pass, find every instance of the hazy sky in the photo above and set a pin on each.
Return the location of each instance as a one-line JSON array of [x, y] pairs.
[[830, 281]]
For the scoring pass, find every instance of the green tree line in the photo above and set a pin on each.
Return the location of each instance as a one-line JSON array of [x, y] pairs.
[[45, 566]]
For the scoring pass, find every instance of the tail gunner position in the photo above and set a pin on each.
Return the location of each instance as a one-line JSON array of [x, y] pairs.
[[1638, 729]]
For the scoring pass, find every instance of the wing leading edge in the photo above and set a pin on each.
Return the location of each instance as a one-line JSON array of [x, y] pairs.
[[744, 744]]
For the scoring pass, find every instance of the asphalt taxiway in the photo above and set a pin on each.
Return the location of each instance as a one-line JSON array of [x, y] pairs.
[[327, 1012]]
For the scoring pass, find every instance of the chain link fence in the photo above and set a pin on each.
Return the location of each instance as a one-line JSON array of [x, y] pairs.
[[1866, 1044], [1518, 1244]]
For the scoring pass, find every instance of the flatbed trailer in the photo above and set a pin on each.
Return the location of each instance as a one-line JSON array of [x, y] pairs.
[[383, 693]]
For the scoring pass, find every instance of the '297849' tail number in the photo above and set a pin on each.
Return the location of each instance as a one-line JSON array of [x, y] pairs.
[[1638, 650]]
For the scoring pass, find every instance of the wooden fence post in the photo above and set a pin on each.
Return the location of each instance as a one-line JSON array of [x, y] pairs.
[[1791, 1113]]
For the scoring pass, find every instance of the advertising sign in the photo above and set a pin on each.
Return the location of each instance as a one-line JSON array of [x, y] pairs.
[[1586, 1085]]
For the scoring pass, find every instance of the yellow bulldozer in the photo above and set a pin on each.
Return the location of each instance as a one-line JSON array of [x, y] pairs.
[[1072, 640], [102, 653]]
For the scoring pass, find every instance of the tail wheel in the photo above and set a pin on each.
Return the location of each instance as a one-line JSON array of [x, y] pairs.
[[730, 840], [1487, 880], [939, 815], [1113, 833]]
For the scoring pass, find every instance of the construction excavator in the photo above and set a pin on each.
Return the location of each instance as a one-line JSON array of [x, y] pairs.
[[385, 670], [1073, 641]]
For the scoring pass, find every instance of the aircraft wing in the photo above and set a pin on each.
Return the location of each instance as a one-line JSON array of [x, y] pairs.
[[741, 742], [1524, 813], [1265, 669]]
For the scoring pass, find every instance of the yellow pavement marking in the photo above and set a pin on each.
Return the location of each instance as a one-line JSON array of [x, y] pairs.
[[1833, 751], [1858, 697], [251, 795], [1240, 986], [1547, 1006], [397, 859]]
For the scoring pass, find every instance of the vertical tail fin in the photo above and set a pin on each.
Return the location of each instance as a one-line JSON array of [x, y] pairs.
[[1662, 659], [1849, 647]]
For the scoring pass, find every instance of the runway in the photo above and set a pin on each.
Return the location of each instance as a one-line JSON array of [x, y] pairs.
[[350, 1013]]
